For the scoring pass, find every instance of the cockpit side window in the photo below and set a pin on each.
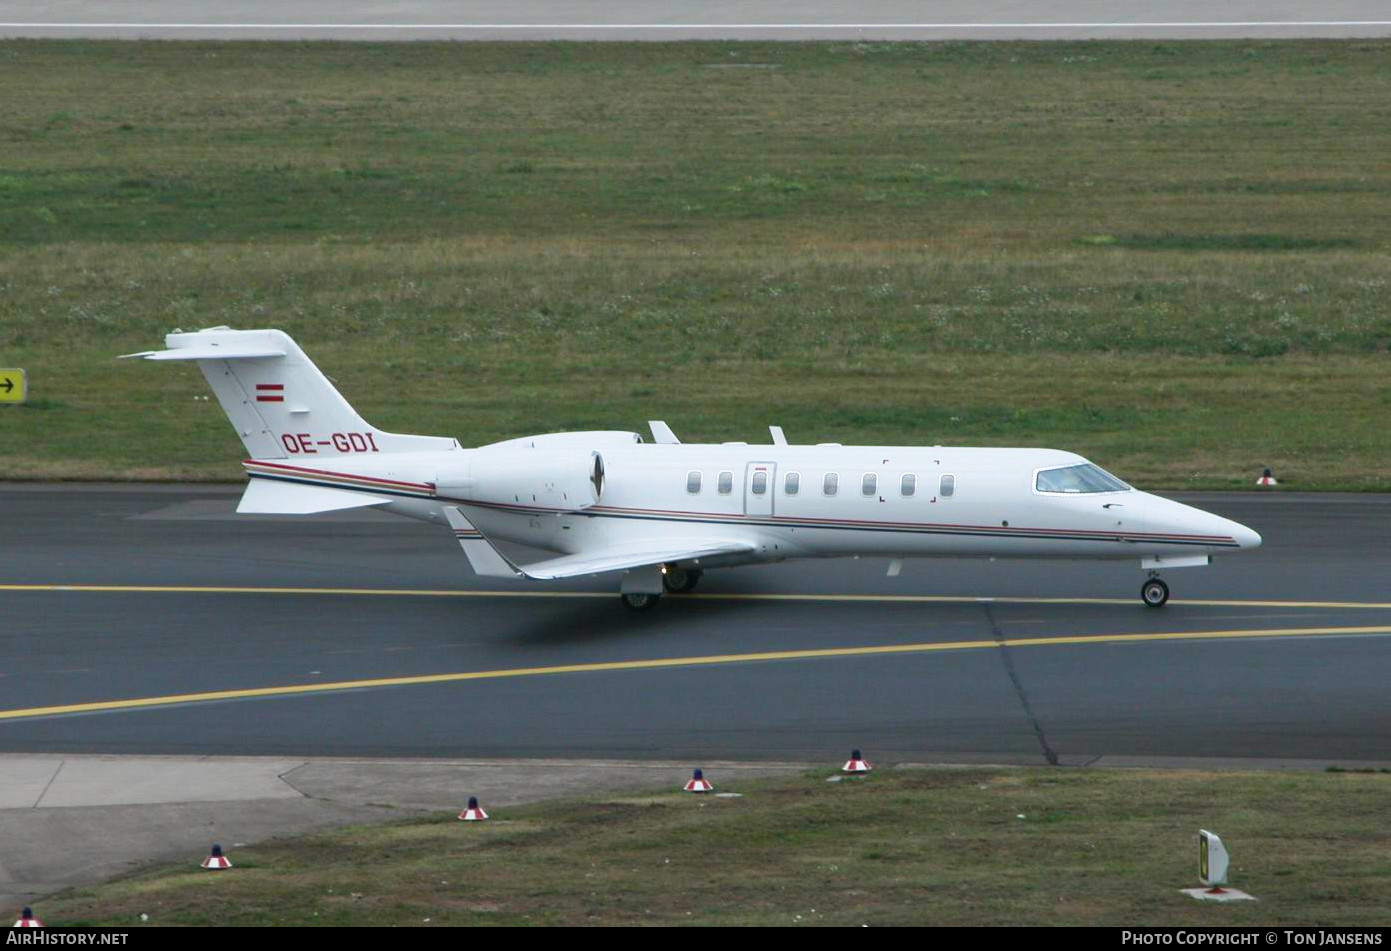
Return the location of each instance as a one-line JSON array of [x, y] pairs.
[[1077, 480]]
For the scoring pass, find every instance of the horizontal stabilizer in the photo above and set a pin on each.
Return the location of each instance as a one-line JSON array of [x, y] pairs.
[[271, 497], [208, 352]]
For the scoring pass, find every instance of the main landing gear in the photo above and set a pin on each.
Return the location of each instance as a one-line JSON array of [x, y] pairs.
[[680, 580], [674, 580], [635, 601], [1154, 593]]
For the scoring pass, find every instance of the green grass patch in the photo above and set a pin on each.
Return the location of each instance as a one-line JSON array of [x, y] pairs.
[[1230, 242], [1104, 246], [912, 847]]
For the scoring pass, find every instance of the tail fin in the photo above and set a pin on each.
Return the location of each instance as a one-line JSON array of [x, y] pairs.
[[280, 403]]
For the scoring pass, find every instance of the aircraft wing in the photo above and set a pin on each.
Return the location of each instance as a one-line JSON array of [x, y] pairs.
[[628, 555], [489, 562]]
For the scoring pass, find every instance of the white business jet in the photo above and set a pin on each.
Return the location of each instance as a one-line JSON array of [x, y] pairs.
[[661, 513]]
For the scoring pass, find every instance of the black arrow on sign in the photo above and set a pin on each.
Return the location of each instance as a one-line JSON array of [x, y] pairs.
[[9, 385]]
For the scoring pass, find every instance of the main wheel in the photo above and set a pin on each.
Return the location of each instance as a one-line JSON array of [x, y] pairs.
[[681, 580], [640, 602], [1154, 593]]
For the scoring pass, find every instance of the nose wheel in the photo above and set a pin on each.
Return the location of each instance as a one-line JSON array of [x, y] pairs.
[[1154, 593]]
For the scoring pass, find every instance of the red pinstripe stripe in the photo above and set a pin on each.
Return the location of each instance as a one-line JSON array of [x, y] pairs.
[[250, 464]]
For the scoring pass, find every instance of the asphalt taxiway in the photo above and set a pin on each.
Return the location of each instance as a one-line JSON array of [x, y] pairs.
[[149, 619]]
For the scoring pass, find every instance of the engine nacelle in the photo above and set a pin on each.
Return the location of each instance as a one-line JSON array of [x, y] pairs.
[[567, 480]]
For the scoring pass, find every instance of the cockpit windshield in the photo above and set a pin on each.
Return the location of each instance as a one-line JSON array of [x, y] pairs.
[[1074, 480]]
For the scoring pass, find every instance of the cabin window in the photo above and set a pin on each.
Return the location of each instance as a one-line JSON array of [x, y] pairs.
[[908, 484], [1073, 480], [791, 483], [760, 482], [830, 484], [726, 484], [869, 484], [948, 486], [693, 482]]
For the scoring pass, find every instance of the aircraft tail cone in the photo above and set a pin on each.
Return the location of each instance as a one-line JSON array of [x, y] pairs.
[[27, 919], [1267, 477], [216, 861], [857, 765], [474, 812], [698, 783]]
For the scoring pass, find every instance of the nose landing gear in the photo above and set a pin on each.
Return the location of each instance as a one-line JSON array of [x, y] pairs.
[[1154, 592]]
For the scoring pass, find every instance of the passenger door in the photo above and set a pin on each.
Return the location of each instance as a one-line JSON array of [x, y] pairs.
[[758, 488]]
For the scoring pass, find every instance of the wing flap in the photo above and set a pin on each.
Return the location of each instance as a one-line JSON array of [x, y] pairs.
[[631, 555]]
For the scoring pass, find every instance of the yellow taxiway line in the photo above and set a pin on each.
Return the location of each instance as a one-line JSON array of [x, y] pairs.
[[845, 598], [106, 706]]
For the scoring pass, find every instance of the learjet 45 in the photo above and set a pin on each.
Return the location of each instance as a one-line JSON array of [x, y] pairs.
[[657, 514]]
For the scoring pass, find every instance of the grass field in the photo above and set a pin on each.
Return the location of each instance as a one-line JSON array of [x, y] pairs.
[[1172, 257], [941, 846]]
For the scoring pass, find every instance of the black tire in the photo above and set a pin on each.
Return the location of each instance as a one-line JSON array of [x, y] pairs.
[[640, 602], [681, 580], [1155, 593]]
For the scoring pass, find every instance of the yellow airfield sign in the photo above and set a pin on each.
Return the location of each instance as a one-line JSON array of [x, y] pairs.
[[13, 386]]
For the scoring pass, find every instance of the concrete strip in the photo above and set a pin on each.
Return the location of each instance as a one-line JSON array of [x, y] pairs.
[[23, 780], [149, 780]]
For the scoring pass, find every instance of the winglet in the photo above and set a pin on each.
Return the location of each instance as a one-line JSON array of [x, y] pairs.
[[662, 434], [481, 554], [778, 438]]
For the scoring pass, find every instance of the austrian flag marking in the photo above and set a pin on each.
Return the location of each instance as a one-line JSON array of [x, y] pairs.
[[270, 392]]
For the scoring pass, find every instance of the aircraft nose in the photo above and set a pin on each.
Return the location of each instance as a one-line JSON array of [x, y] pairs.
[[1166, 515], [1245, 537]]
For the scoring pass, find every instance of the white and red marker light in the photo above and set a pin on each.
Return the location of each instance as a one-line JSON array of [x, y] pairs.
[[216, 861], [474, 812], [698, 783], [856, 765], [27, 919]]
